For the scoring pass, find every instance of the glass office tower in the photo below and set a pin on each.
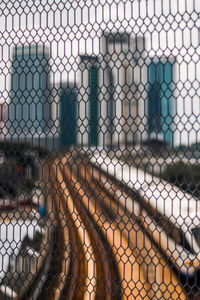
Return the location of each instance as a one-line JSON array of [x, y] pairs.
[[28, 108], [89, 102], [160, 104]]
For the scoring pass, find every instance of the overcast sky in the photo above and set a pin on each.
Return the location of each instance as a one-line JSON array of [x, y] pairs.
[[71, 28]]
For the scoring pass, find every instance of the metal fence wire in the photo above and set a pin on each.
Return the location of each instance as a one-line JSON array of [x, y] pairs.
[[99, 149]]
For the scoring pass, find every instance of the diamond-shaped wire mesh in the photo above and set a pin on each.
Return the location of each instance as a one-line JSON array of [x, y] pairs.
[[99, 149]]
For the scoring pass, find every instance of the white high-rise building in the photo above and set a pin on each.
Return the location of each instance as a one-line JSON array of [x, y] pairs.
[[120, 77]]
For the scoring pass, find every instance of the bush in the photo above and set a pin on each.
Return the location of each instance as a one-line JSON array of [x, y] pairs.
[[19, 164], [185, 176]]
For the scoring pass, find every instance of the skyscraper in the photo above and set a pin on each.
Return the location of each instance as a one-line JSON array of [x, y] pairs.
[[121, 76], [28, 108], [89, 102], [160, 99]]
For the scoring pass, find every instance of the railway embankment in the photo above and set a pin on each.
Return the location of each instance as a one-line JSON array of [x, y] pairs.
[[107, 253], [95, 240]]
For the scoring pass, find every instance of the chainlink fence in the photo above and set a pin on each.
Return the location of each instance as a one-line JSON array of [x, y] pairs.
[[99, 149]]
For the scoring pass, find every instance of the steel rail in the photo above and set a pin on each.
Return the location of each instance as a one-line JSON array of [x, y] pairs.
[[60, 267], [121, 214], [121, 206], [105, 253], [154, 224], [69, 261], [106, 288], [79, 241], [108, 283], [133, 283]]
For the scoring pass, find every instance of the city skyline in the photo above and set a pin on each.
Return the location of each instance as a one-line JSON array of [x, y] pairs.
[[77, 31]]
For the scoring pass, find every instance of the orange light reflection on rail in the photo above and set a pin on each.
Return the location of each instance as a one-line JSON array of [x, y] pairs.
[[189, 263]]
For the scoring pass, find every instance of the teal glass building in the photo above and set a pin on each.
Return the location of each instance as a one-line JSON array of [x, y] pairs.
[[28, 109], [160, 100], [89, 93], [68, 115]]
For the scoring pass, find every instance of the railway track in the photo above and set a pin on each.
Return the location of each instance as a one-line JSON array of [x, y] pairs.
[[101, 251]]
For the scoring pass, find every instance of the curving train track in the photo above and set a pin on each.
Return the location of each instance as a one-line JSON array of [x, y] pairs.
[[101, 250]]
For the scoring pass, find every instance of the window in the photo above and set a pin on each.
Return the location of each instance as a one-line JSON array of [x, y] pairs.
[[160, 100], [29, 90]]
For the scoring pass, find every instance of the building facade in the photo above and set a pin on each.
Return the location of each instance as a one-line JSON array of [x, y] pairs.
[[63, 132], [138, 80], [160, 106], [162, 38], [127, 92], [88, 103], [68, 115], [120, 79], [29, 108]]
